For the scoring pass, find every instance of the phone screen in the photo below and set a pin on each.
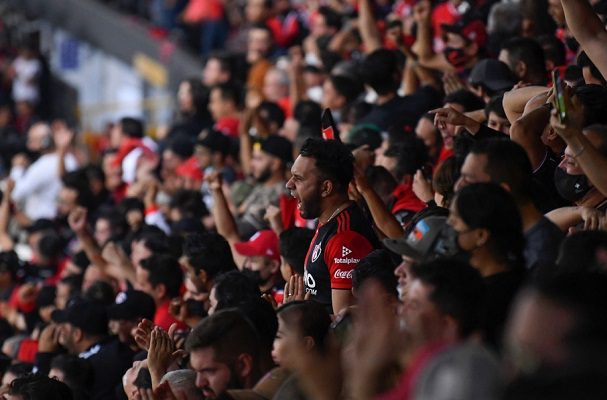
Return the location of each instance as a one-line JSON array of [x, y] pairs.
[[559, 96]]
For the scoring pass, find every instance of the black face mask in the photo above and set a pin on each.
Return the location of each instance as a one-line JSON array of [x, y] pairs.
[[456, 57], [570, 187], [255, 276], [447, 245], [195, 308]]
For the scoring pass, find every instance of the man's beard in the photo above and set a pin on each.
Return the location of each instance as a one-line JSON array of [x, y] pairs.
[[265, 175]]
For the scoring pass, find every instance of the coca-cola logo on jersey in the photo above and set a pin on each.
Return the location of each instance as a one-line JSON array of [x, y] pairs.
[[339, 274]]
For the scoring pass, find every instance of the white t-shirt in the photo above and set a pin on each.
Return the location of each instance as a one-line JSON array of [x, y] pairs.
[[25, 88], [37, 190]]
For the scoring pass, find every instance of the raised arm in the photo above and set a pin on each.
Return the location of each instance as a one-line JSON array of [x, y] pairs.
[[224, 220], [368, 29], [527, 131], [588, 30]]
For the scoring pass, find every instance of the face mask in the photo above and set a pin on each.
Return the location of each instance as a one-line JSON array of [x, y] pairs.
[[570, 187], [255, 276], [447, 245], [195, 307], [456, 57]]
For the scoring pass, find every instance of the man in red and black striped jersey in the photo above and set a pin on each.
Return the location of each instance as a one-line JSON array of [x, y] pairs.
[[320, 178]]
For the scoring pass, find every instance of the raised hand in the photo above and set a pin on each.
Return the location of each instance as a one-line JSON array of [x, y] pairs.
[[142, 334]]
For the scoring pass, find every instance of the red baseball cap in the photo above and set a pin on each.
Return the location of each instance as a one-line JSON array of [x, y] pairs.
[[263, 243]]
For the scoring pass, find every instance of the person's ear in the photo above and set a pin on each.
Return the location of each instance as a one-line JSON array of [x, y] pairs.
[[451, 327], [160, 290], [275, 266], [244, 365], [308, 343], [520, 69], [482, 237], [202, 275], [472, 49], [326, 188], [78, 334]]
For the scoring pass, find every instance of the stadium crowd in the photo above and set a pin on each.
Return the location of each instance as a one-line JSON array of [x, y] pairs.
[[439, 234]]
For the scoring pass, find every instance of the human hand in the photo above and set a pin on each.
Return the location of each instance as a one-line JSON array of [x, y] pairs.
[[48, 342], [142, 333], [295, 289], [452, 83], [593, 218], [9, 186], [421, 187], [364, 157], [447, 115], [214, 180], [62, 135], [270, 299], [422, 11], [575, 116], [162, 353], [274, 217], [77, 220]]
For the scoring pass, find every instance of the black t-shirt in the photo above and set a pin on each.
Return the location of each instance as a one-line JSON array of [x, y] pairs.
[[403, 112], [501, 289], [542, 245], [335, 250]]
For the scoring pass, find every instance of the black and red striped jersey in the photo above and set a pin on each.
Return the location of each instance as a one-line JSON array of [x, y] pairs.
[[335, 251]]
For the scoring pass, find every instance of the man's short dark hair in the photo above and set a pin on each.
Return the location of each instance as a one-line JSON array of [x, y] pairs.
[[164, 269], [189, 203], [490, 206], [378, 265], [458, 290], [271, 112], [496, 106], [309, 318], [228, 333], [209, 252], [585, 295], [554, 49], [233, 288], [528, 51], [507, 162], [225, 60], [78, 373], [132, 127], [333, 159], [584, 61], [230, 92], [294, 244], [594, 100], [347, 87], [381, 70], [40, 387], [411, 154], [466, 99], [332, 18], [307, 113]]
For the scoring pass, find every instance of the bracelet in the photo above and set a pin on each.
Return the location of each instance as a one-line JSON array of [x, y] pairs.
[[579, 153]]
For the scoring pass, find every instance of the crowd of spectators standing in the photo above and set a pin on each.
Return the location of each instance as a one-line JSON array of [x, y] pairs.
[[442, 236]]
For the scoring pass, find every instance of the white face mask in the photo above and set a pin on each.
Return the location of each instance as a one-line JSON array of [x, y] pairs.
[[315, 94]]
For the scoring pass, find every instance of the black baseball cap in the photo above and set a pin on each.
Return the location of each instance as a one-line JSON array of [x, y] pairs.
[[131, 305], [419, 244], [493, 74], [88, 315], [39, 225], [215, 141], [277, 146]]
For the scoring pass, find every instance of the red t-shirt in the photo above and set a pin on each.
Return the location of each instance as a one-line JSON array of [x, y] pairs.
[[164, 319]]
